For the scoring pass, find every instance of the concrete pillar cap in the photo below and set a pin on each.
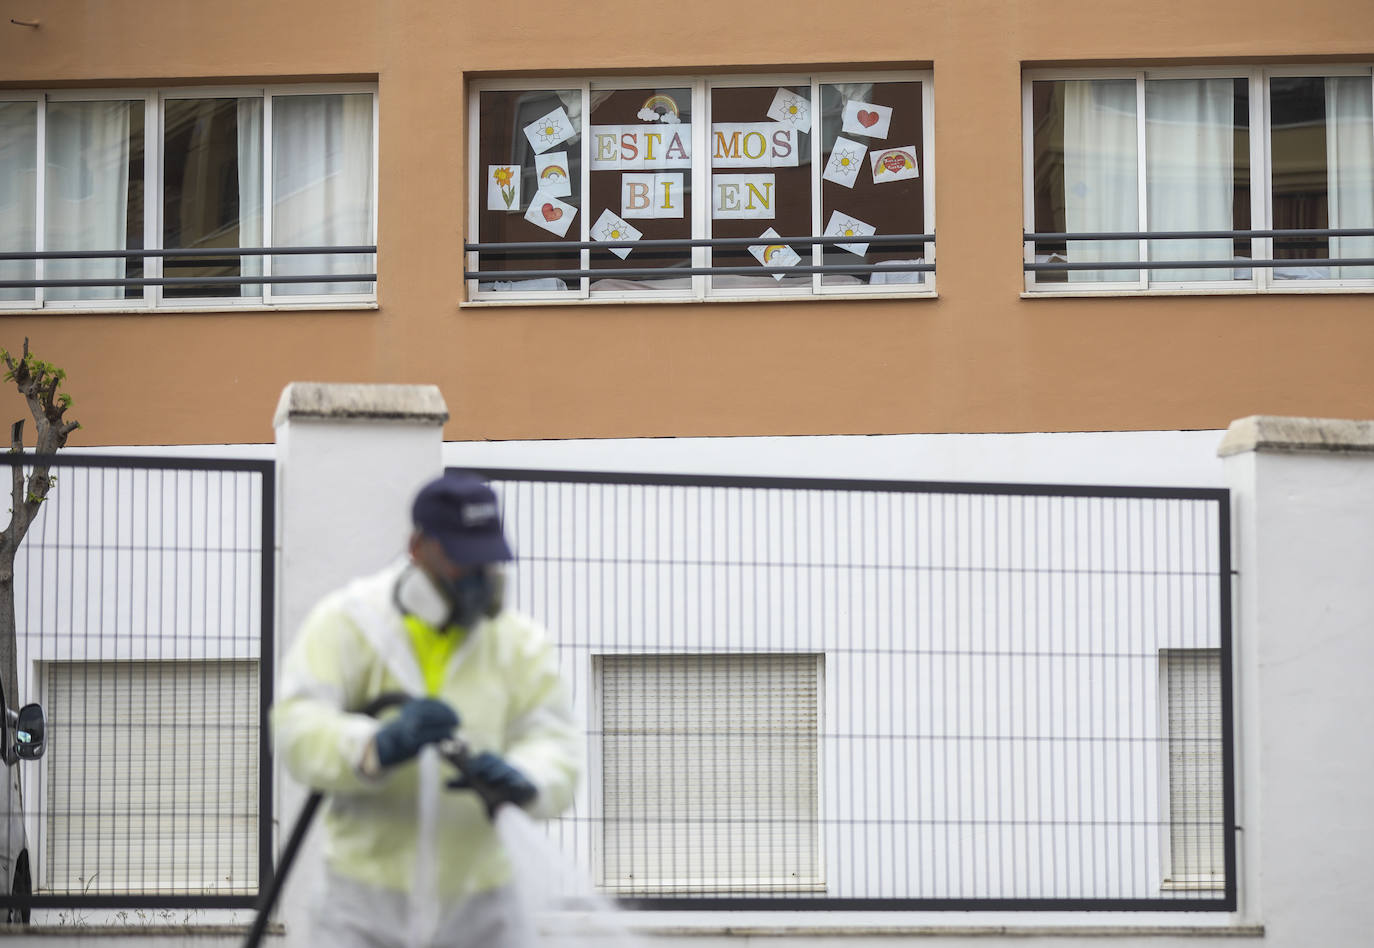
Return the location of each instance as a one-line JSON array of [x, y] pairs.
[[350, 401], [1297, 435]]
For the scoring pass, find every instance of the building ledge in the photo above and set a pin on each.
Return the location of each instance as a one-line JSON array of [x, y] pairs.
[[1297, 435]]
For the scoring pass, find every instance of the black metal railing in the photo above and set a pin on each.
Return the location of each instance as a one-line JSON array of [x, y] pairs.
[[197, 252], [889, 695], [1237, 263], [144, 598], [715, 243]]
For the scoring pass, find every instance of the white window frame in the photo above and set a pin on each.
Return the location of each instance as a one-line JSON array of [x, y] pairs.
[[154, 100], [701, 86], [1170, 881], [697, 887], [1261, 181]]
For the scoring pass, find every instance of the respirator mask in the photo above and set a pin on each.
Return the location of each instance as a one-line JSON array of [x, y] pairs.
[[477, 594]]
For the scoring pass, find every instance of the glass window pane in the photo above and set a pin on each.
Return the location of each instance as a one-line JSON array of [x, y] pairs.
[[212, 191], [872, 149], [514, 166], [94, 195], [1085, 175], [761, 184], [18, 194], [641, 173], [1322, 151], [322, 185], [1196, 171]]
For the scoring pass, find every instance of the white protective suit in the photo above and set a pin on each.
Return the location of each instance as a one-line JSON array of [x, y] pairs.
[[410, 862]]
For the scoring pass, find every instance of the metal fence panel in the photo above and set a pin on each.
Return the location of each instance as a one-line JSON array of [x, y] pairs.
[[992, 721], [144, 604]]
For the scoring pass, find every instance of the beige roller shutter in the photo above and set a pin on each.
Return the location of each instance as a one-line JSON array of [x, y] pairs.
[[151, 777], [709, 773], [1196, 829]]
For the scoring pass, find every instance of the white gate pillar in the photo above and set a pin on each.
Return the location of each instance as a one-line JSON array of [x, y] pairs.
[[349, 461]]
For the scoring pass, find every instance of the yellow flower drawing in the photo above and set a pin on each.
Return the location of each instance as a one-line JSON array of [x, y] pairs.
[[503, 177]]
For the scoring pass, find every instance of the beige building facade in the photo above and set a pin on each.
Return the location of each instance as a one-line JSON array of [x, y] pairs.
[[361, 123]]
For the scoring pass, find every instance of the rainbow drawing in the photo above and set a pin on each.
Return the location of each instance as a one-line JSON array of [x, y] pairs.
[[770, 251], [662, 104], [552, 173]]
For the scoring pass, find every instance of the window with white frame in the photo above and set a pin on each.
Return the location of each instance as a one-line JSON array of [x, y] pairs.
[[1192, 769], [1198, 154], [151, 777], [709, 773], [701, 187], [88, 177]]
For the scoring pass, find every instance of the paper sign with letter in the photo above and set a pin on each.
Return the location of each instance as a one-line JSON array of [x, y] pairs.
[[552, 129], [792, 109], [894, 164], [846, 158], [548, 212], [753, 145], [862, 118], [651, 195], [632, 147], [503, 188], [743, 196], [553, 175], [842, 225], [610, 227], [773, 254]]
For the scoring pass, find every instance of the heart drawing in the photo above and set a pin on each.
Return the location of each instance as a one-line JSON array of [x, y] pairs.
[[867, 119], [550, 212]]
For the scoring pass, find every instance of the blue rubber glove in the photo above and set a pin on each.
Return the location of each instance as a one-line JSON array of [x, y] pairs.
[[496, 781], [421, 721]]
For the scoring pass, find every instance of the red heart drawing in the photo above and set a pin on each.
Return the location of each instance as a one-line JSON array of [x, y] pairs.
[[550, 212], [867, 119]]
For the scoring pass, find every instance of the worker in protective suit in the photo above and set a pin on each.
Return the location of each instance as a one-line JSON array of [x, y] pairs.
[[410, 862]]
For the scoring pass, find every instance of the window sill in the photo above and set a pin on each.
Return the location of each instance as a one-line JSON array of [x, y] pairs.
[[219, 310], [1058, 294], [488, 303], [573, 922]]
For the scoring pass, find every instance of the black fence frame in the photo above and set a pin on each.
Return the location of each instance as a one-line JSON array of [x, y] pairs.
[[1238, 263], [1227, 901], [266, 469], [210, 252]]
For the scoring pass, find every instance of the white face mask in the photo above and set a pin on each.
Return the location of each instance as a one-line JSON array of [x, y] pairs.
[[417, 595]]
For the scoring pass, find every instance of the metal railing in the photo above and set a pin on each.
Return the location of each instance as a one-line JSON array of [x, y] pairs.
[[715, 243], [889, 695], [144, 594], [199, 252], [1238, 263]]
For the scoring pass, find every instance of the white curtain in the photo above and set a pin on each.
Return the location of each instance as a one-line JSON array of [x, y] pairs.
[[322, 187], [87, 198], [1189, 167], [1100, 190], [1350, 169], [18, 193], [250, 190]]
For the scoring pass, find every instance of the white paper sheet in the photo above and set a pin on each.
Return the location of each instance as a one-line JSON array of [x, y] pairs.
[[553, 174], [548, 212], [549, 130], [753, 145], [894, 164], [793, 109], [636, 147], [503, 188], [774, 255], [646, 194], [864, 118], [846, 159], [843, 225], [743, 196], [610, 227]]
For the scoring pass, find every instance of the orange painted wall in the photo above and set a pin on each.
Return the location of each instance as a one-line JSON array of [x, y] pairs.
[[979, 358]]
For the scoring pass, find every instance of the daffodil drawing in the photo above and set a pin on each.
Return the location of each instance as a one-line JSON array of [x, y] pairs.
[[503, 187]]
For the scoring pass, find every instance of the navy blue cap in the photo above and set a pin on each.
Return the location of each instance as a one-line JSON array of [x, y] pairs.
[[459, 510]]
